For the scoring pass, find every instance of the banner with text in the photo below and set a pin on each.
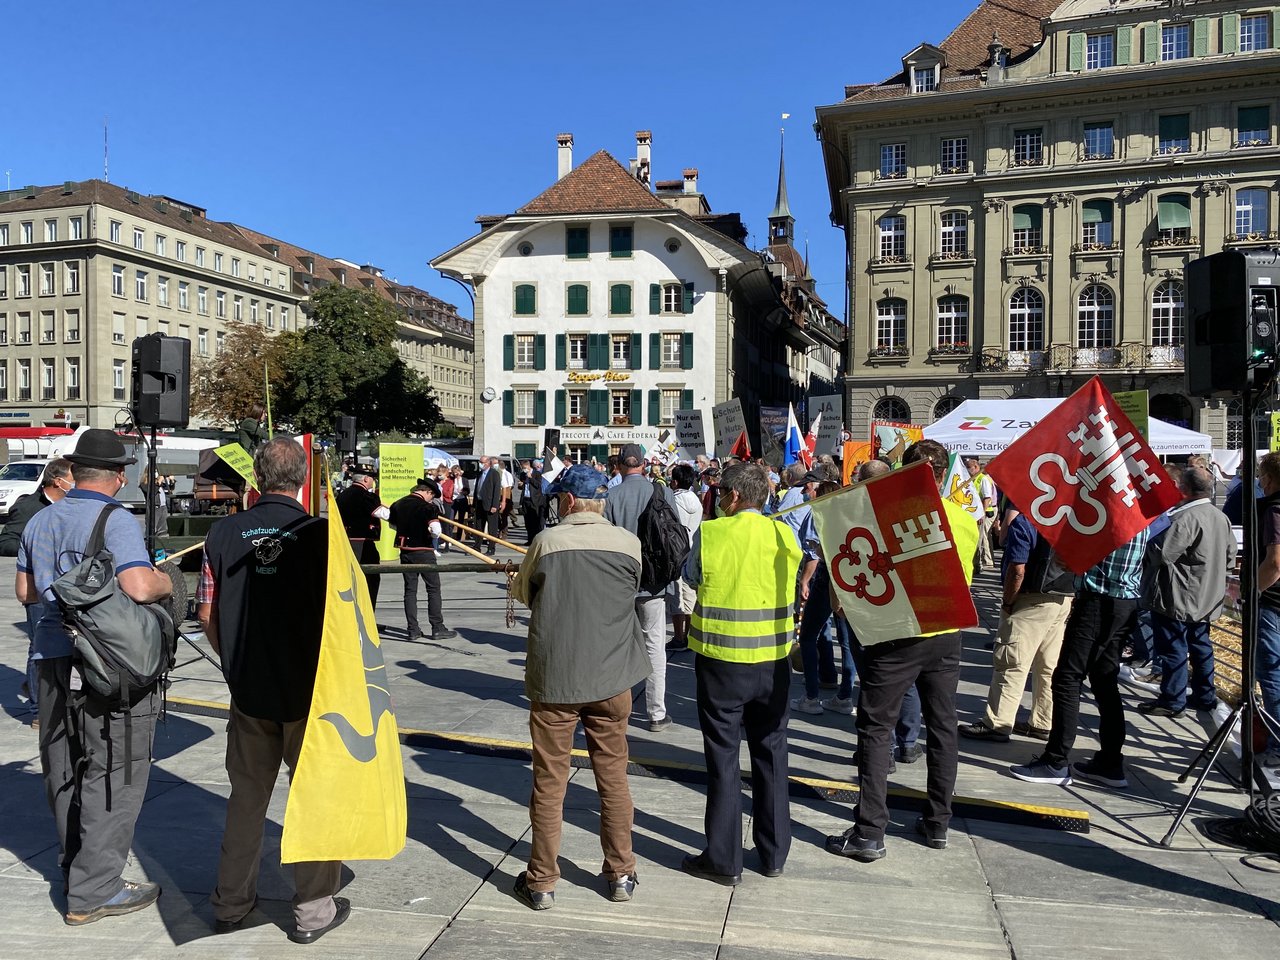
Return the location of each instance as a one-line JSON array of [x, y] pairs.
[[831, 409], [890, 440], [773, 435], [689, 434], [399, 467], [729, 423]]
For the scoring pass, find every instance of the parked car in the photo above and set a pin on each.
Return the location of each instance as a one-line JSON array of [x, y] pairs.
[[17, 479]]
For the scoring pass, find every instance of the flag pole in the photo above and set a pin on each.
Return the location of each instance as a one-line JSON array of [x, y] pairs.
[[266, 388]]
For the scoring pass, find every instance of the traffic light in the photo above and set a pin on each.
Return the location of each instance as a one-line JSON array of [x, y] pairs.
[[1232, 300]]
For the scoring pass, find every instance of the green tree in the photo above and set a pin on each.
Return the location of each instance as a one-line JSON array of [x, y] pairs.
[[346, 364], [226, 384]]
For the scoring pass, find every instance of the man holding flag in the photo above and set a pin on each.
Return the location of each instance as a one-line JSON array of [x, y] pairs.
[[261, 602]]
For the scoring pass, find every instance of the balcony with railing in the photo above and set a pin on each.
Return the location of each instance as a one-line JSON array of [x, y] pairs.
[[944, 258], [1259, 238], [1000, 360]]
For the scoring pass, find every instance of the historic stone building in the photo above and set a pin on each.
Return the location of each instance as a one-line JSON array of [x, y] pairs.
[[1020, 200]]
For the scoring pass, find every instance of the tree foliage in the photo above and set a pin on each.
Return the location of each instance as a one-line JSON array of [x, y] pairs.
[[346, 363], [226, 384]]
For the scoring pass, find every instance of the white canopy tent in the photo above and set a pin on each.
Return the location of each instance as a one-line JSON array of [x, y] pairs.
[[985, 427]]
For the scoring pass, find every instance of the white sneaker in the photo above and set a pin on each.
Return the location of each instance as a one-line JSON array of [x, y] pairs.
[[809, 705], [839, 705]]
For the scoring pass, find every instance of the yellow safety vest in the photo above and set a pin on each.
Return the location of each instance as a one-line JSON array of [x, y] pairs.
[[743, 613], [977, 489]]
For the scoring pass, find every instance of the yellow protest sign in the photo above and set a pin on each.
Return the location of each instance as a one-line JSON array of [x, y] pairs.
[[1275, 432], [347, 798], [399, 468], [1136, 407], [238, 459]]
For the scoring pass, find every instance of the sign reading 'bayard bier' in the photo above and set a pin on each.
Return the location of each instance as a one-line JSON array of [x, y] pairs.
[[892, 556], [1085, 477]]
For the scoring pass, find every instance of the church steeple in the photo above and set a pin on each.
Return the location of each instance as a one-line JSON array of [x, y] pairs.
[[781, 223]]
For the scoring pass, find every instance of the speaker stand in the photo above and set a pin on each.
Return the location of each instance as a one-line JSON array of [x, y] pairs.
[[153, 484]]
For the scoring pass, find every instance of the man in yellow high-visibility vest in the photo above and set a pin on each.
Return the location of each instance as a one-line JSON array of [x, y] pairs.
[[744, 566]]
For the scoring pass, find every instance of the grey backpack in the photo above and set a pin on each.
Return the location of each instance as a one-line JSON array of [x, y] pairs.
[[123, 646]]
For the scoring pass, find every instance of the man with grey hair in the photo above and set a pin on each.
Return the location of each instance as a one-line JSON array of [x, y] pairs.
[[261, 602], [55, 483], [1183, 585], [94, 794]]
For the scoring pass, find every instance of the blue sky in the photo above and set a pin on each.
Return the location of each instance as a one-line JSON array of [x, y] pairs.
[[377, 131]]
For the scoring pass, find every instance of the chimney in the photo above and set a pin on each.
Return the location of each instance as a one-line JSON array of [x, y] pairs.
[[996, 52], [564, 154], [644, 164], [691, 180]]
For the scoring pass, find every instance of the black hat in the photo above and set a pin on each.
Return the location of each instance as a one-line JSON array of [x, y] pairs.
[[632, 451], [100, 448], [426, 483], [813, 477]]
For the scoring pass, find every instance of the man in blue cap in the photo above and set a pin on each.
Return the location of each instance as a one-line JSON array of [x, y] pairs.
[[586, 651]]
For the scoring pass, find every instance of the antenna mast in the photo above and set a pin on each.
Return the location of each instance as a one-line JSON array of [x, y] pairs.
[[106, 153]]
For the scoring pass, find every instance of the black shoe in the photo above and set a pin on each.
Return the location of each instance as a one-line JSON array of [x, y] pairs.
[[1023, 729], [1090, 771], [697, 866], [531, 898], [933, 836], [491, 553], [231, 926], [771, 872], [443, 633], [132, 896], [980, 731], [910, 755], [1154, 708], [677, 646], [849, 844], [339, 918]]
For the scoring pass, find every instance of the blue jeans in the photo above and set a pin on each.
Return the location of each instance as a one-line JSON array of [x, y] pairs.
[[33, 673], [1140, 637], [815, 643], [1268, 667], [1177, 645]]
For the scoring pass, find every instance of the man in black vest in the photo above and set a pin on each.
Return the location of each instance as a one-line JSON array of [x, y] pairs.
[[261, 603], [532, 500], [413, 518], [362, 515]]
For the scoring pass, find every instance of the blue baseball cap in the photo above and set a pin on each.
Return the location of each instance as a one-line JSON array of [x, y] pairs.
[[583, 482]]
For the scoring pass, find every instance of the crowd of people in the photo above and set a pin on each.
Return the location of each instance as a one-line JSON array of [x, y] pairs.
[[752, 599]]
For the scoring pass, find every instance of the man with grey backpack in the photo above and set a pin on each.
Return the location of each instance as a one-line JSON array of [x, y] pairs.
[[95, 752]]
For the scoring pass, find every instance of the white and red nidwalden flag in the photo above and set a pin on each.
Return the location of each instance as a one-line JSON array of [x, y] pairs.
[[1085, 478], [811, 441], [892, 557]]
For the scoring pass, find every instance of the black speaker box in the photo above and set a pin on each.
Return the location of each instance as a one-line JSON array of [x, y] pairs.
[[161, 381], [346, 435], [1231, 320]]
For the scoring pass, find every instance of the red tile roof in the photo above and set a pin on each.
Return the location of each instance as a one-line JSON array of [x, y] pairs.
[[600, 184], [1016, 22]]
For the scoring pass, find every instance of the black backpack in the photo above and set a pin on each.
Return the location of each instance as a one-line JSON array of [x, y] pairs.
[[664, 543], [1046, 573]]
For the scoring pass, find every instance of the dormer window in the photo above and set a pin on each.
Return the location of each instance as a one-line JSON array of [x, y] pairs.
[[924, 79]]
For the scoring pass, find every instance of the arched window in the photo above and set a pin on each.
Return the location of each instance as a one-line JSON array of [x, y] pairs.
[[1096, 318], [945, 406], [1028, 233], [891, 408], [1097, 224], [1235, 424], [953, 324], [526, 300], [1251, 212], [577, 300], [1026, 320], [1173, 219], [1168, 313], [891, 325]]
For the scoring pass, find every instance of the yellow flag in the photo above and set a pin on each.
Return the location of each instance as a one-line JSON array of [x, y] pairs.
[[347, 799]]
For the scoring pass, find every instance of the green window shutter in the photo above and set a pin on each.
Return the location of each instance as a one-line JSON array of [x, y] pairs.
[[620, 240], [577, 242], [1124, 45], [561, 350], [598, 408], [598, 450], [508, 352], [560, 411], [637, 404], [636, 341], [526, 300], [508, 407], [524, 451], [655, 351], [1275, 29], [686, 399], [688, 298], [655, 298], [1151, 43], [620, 299], [540, 407], [540, 351], [655, 407], [1230, 32], [597, 351], [576, 300], [1174, 212], [686, 352], [1200, 37], [1027, 217], [1075, 51]]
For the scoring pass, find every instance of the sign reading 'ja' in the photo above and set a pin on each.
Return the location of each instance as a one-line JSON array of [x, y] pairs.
[[1085, 477]]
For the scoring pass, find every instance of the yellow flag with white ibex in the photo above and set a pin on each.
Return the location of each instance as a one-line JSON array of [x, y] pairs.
[[347, 798]]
